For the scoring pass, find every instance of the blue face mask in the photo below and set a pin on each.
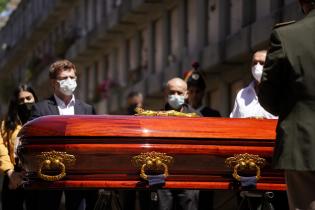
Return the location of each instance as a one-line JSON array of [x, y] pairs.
[[176, 101]]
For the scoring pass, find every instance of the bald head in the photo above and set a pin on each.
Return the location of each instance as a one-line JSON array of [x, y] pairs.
[[176, 86]]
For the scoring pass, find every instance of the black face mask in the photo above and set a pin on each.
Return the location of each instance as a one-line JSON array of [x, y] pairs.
[[131, 109], [24, 112]]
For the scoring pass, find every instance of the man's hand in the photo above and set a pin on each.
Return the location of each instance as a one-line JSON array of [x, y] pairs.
[[15, 179]]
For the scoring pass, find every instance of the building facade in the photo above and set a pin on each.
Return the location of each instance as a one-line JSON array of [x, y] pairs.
[[137, 45]]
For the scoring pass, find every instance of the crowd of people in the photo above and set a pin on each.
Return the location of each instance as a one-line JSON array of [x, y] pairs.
[[282, 88]]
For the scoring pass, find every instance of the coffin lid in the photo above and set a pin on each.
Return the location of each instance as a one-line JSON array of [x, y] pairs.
[[142, 126]]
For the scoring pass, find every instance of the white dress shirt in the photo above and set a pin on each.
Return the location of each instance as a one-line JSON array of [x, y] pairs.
[[63, 108], [246, 105]]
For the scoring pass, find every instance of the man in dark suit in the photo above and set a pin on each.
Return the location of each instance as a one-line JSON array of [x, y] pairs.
[[63, 77], [288, 90], [175, 95]]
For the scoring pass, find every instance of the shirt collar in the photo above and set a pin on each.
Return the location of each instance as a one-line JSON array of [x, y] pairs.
[[61, 103], [251, 87]]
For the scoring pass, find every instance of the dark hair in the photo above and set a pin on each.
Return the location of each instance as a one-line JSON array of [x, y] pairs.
[[11, 119], [59, 66], [133, 94]]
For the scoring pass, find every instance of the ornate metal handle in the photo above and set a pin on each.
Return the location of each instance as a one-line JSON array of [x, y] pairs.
[[153, 161], [47, 164], [56, 161], [245, 161], [149, 164]]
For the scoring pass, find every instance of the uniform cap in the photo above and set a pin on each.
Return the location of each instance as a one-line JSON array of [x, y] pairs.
[[194, 77]]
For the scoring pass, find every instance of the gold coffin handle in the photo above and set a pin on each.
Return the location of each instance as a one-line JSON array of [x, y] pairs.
[[154, 161], [47, 164], [245, 162], [149, 165], [56, 161]]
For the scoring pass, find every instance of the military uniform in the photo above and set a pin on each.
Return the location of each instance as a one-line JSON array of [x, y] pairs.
[[194, 78], [288, 90]]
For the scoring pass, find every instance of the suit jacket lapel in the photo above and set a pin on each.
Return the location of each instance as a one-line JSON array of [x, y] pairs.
[[52, 106], [78, 108]]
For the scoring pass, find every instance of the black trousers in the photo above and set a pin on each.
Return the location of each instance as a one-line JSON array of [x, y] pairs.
[[47, 199], [205, 200], [129, 199], [74, 198], [178, 199], [50, 199], [14, 199]]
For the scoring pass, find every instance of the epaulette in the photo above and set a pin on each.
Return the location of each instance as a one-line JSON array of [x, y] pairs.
[[278, 25]]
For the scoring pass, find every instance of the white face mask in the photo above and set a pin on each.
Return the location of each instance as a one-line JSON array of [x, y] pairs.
[[257, 71], [67, 86], [176, 101]]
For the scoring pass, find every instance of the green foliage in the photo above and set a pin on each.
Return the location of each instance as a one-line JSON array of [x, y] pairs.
[[3, 4]]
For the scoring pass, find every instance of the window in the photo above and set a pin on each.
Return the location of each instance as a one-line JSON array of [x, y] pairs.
[[94, 12], [192, 26], [132, 53], [121, 64], [144, 44], [95, 72], [227, 5], [249, 12], [133, 68], [206, 22], [186, 23], [87, 81], [86, 15], [106, 67], [174, 40], [158, 45]]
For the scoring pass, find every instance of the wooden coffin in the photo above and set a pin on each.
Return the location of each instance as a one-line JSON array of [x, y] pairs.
[[102, 151]]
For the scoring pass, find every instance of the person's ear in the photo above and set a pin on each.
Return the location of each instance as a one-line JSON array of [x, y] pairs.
[[166, 92], [53, 83], [186, 94]]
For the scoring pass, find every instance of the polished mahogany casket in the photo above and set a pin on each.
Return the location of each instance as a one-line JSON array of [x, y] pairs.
[[106, 151]]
